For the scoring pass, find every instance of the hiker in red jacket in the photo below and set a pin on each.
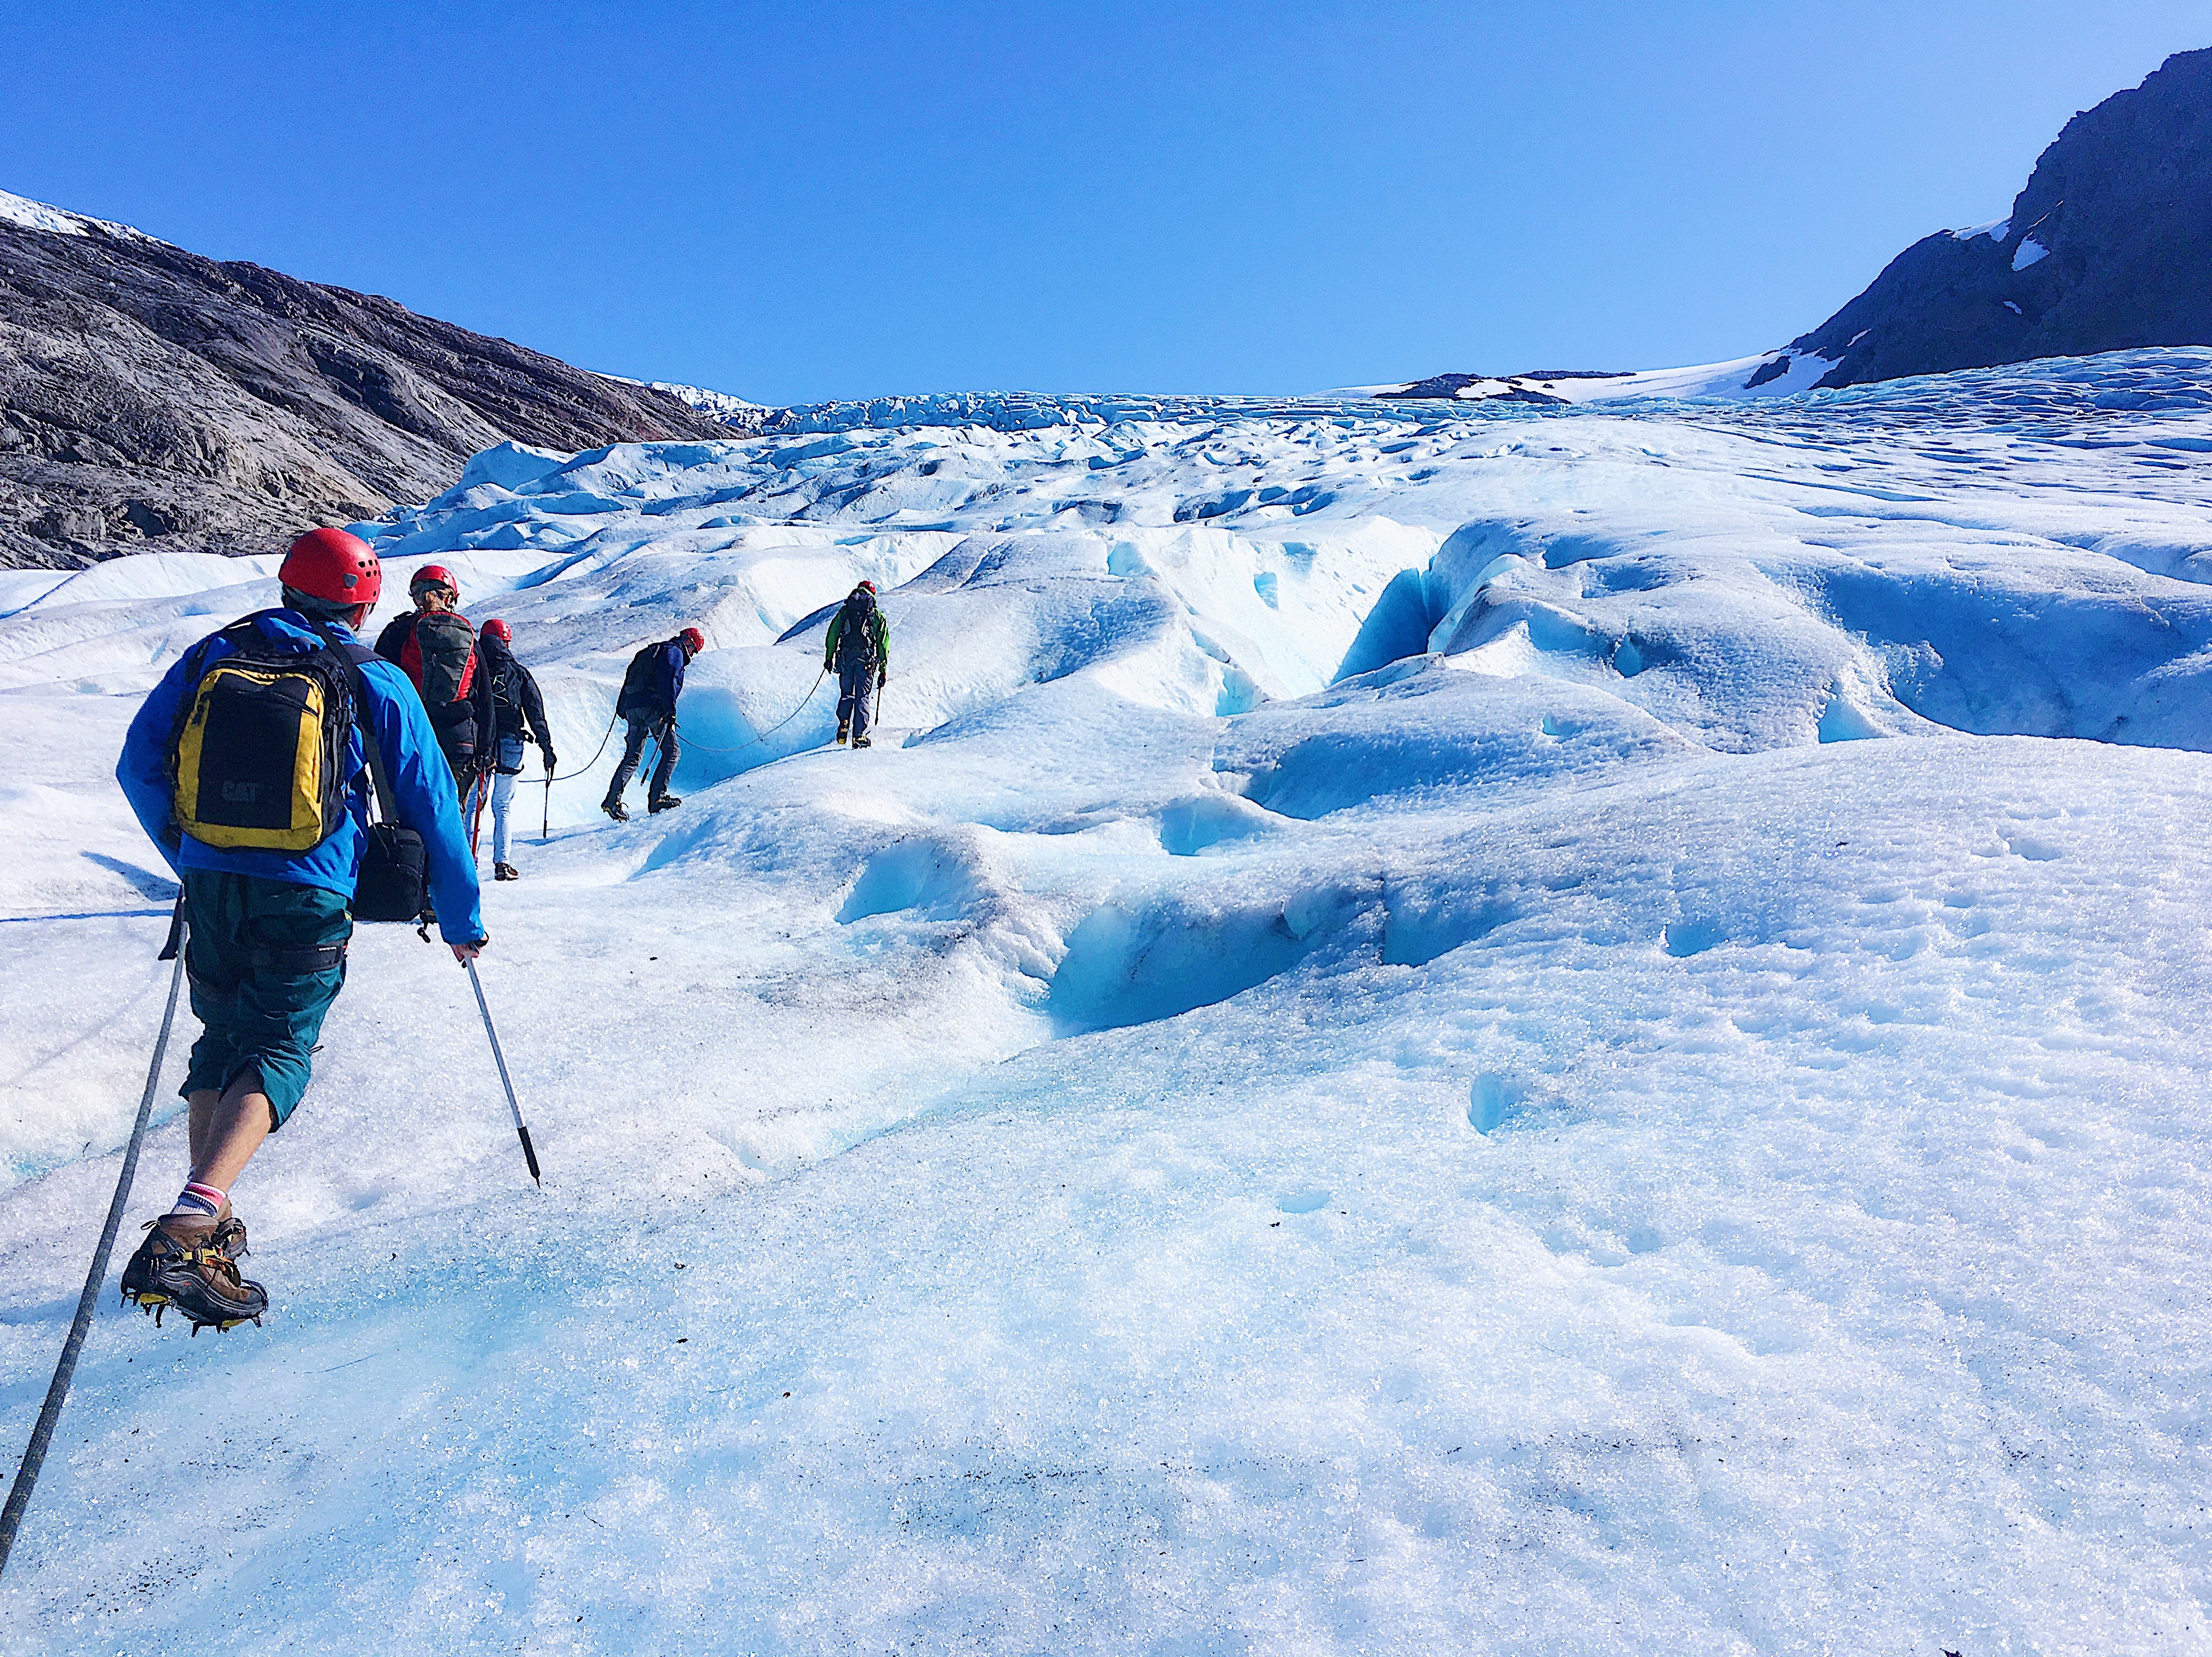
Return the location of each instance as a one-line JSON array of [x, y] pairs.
[[437, 648]]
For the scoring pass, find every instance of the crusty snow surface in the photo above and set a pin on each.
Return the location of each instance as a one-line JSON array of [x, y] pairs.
[[1492, 1030]]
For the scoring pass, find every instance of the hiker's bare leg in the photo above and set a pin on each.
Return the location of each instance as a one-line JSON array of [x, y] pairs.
[[228, 1128]]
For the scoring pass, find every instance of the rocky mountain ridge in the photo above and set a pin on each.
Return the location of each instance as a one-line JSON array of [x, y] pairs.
[[2108, 248], [152, 397]]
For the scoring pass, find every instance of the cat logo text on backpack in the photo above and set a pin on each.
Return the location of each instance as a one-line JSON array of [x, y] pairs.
[[259, 752]]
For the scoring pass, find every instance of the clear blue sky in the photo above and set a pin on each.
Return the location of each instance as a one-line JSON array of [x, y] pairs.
[[799, 201]]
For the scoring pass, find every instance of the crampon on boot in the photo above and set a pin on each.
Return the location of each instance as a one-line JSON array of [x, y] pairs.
[[505, 872], [666, 802], [615, 808], [196, 1272]]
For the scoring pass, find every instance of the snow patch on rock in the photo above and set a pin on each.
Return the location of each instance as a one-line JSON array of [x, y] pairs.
[[59, 220]]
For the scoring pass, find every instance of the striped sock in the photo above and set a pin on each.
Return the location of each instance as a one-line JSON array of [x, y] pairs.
[[200, 1201]]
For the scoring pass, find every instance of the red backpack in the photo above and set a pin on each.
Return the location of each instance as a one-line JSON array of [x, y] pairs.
[[440, 657]]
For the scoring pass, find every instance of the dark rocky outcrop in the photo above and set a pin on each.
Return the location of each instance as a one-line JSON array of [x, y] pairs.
[[1475, 388], [2109, 248], [153, 398], [1773, 369]]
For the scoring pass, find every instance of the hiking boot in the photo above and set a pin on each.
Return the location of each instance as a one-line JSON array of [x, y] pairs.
[[666, 802], [864, 742], [844, 734], [614, 809], [192, 1264], [505, 872]]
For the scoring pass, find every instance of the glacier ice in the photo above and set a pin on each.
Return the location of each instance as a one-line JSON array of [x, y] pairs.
[[1361, 1069]]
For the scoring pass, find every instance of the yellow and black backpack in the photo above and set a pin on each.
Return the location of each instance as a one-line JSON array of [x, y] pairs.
[[259, 754]]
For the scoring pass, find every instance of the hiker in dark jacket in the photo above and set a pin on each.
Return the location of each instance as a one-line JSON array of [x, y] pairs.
[[649, 691], [437, 648], [859, 647], [267, 926], [520, 712]]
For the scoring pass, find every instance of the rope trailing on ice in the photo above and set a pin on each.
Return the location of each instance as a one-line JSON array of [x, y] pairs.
[[757, 741], [545, 830], [570, 776], [34, 1454], [606, 735]]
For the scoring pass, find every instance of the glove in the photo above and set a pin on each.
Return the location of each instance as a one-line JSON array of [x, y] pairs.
[[551, 764]]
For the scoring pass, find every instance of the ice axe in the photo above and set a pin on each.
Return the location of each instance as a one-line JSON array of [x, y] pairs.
[[474, 804], [521, 1127]]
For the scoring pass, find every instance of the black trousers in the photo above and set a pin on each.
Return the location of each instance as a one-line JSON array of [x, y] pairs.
[[856, 697], [641, 726], [457, 743]]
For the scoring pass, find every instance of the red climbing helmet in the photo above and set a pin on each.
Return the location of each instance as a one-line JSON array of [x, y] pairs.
[[869, 585], [694, 640], [498, 629], [434, 575], [333, 565]]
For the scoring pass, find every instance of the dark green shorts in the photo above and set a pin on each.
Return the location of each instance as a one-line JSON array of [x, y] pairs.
[[261, 1012]]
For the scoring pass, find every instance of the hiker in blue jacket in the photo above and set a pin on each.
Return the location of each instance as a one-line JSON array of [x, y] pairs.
[[267, 930], [650, 688]]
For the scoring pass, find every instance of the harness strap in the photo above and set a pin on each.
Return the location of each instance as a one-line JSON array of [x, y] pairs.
[[298, 963]]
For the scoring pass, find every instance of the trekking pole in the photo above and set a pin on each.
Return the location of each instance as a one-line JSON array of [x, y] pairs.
[[34, 1453], [545, 830], [521, 1128]]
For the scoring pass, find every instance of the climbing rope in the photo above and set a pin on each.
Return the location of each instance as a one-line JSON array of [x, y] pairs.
[[607, 735], [756, 742], [570, 776], [34, 1454]]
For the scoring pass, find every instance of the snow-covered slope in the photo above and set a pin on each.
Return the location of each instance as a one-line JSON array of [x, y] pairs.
[[1364, 1068], [23, 212], [1769, 375], [732, 411]]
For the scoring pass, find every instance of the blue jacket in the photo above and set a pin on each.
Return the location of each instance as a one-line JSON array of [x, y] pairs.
[[659, 692], [422, 782]]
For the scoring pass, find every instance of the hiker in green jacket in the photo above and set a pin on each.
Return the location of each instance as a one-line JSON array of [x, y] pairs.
[[860, 647]]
